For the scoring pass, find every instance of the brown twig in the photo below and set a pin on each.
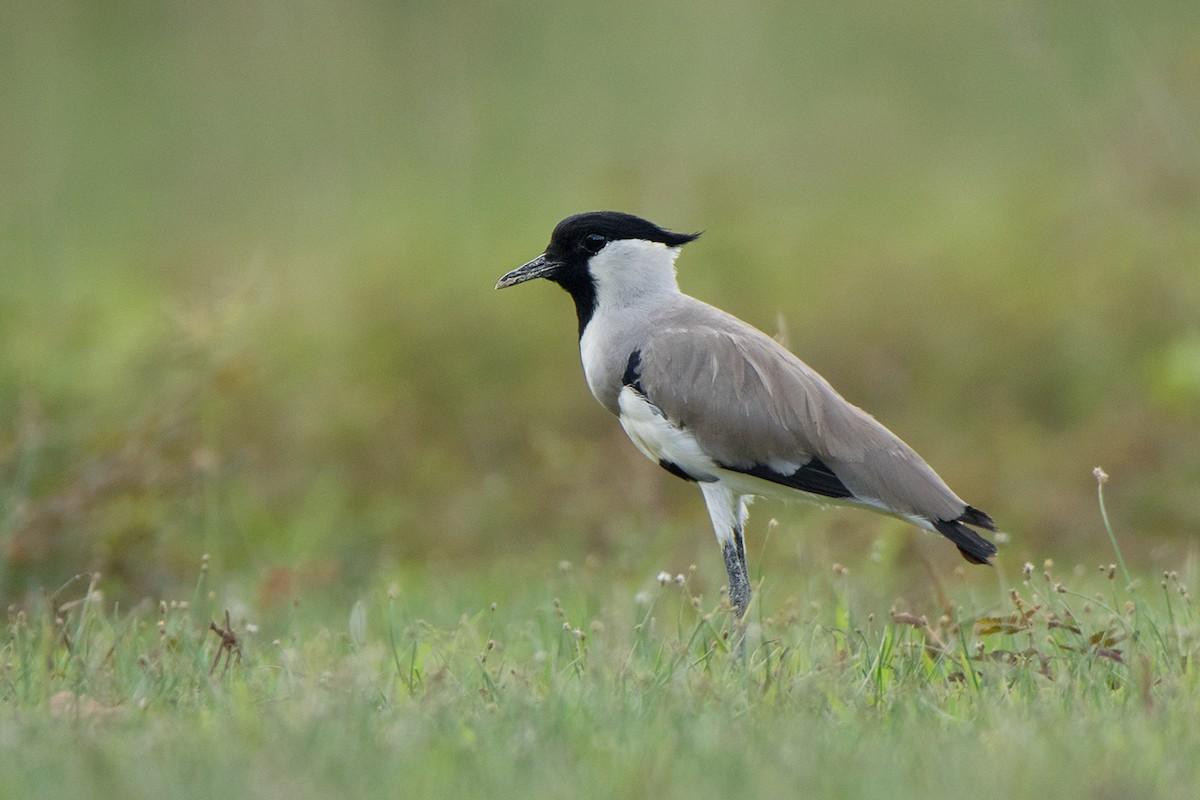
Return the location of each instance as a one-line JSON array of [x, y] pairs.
[[230, 645]]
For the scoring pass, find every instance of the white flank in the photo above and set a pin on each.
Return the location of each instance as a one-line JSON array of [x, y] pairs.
[[658, 439]]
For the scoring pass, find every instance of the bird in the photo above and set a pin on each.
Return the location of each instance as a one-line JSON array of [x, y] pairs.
[[717, 402]]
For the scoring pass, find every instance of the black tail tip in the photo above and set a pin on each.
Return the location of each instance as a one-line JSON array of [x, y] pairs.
[[973, 547], [973, 516], [975, 558]]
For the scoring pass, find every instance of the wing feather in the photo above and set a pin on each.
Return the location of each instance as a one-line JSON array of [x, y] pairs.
[[751, 404]]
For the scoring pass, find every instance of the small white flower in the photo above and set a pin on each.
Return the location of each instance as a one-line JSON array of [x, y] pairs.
[[664, 578]]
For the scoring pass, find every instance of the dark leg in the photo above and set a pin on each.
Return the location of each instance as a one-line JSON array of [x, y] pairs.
[[728, 512], [739, 579]]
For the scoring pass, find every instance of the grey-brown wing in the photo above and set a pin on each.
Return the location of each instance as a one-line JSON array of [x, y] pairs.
[[756, 408]]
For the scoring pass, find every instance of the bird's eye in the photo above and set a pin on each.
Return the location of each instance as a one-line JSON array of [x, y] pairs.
[[593, 243]]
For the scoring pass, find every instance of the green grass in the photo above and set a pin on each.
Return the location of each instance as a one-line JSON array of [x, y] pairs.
[[581, 682]]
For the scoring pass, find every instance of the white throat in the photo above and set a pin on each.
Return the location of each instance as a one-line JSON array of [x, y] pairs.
[[632, 272], [633, 278]]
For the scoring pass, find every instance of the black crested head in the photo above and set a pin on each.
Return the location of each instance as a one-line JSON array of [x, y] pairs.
[[573, 232], [579, 237]]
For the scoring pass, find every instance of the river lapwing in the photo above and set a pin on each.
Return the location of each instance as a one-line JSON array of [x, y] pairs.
[[717, 402]]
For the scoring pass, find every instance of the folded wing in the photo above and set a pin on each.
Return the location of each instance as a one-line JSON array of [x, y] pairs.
[[757, 409]]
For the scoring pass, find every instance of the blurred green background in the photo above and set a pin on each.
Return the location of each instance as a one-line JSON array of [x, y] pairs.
[[247, 254]]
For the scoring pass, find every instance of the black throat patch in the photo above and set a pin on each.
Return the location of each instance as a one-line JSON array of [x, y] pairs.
[[578, 283]]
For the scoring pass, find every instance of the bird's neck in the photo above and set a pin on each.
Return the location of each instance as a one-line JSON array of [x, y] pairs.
[[582, 289], [630, 276], [633, 274]]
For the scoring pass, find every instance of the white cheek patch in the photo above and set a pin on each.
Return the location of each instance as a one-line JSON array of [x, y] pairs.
[[660, 440], [631, 269]]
